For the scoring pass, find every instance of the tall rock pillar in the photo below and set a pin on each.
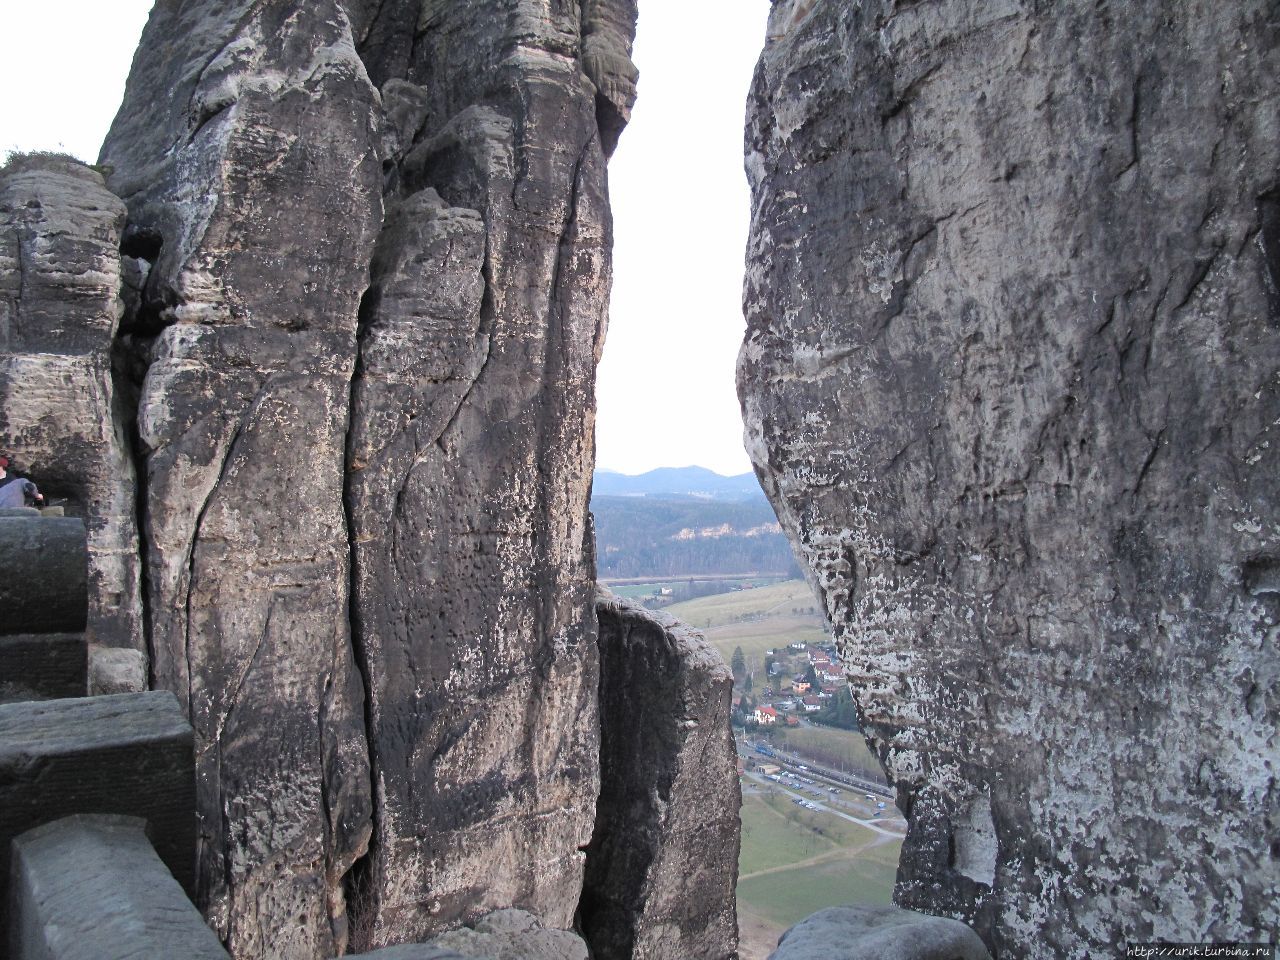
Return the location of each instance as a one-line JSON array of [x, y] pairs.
[[245, 150], [60, 409], [471, 452]]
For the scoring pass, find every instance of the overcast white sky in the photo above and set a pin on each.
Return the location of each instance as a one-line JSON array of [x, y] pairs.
[[666, 391], [681, 209], [63, 64]]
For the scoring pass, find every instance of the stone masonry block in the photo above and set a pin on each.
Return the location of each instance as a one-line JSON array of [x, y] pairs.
[[130, 755], [44, 574], [91, 887]]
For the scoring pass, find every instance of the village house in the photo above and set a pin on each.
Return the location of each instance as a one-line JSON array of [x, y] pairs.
[[766, 716]]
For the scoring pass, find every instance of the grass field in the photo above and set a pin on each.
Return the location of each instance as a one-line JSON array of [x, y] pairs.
[[756, 620], [726, 608], [786, 897], [825, 831], [770, 838], [757, 637], [634, 591], [795, 862]]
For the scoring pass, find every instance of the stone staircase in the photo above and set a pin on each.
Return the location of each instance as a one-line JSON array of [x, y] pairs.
[[97, 794]]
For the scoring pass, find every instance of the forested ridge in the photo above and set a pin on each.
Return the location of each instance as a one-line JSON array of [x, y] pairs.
[[660, 537]]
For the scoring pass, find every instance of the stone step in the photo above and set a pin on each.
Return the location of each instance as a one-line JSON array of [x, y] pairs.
[[91, 887], [48, 666], [130, 755]]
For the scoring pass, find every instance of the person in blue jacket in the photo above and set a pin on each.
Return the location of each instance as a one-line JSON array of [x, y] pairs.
[[16, 491]]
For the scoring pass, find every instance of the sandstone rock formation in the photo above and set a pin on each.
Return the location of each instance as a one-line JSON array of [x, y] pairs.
[[367, 267], [59, 406], [663, 862], [471, 451], [513, 935], [345, 336], [1010, 380], [502, 935], [245, 150]]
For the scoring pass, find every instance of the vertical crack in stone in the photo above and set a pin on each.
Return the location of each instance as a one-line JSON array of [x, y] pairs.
[[357, 882], [129, 361]]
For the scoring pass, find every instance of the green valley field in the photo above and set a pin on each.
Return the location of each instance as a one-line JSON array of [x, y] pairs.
[[756, 620], [795, 862]]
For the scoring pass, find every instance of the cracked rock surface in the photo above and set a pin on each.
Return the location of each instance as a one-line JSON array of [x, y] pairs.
[[879, 932], [343, 331], [502, 935], [471, 449], [245, 149], [366, 278], [1012, 379]]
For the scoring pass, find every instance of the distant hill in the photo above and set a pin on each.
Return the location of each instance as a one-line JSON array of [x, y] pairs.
[[678, 483], [687, 520]]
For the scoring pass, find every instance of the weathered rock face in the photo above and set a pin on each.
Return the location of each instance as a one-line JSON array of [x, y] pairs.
[[471, 451], [59, 408], [402, 403], [245, 149], [663, 862], [502, 935], [1010, 380]]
